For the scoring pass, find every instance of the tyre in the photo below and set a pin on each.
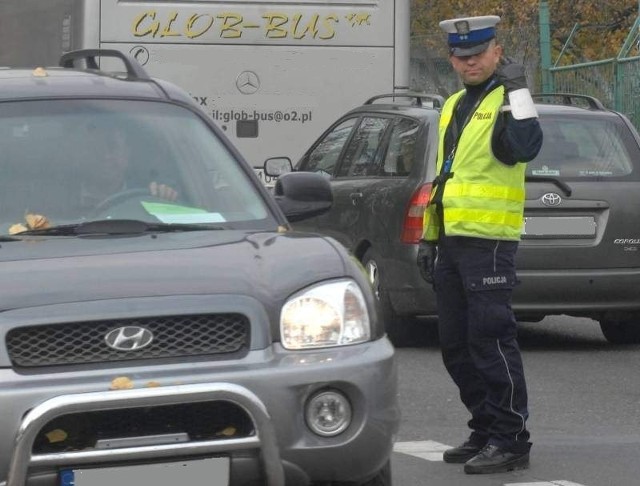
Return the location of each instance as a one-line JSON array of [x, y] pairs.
[[400, 330], [621, 331]]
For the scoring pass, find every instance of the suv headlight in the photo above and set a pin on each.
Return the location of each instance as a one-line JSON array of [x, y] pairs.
[[328, 314]]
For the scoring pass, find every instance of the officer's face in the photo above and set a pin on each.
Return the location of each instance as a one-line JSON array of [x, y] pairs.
[[479, 67]]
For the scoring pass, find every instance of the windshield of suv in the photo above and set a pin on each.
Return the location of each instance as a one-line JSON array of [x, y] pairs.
[[71, 161], [577, 147]]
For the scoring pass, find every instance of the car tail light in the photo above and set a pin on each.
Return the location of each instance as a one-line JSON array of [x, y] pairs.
[[412, 225]]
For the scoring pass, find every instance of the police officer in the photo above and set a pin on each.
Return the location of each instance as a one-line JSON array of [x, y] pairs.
[[472, 227]]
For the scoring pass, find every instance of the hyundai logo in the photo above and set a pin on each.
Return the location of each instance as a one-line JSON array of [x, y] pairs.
[[551, 199], [129, 338]]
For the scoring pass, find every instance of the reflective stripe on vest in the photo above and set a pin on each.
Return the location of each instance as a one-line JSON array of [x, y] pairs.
[[484, 198]]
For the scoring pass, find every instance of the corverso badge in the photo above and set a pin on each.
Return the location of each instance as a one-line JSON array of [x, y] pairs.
[[129, 338]]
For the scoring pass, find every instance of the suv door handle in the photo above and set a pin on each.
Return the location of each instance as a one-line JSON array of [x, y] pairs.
[[355, 196]]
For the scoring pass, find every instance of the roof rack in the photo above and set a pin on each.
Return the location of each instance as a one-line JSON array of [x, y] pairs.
[[134, 69], [437, 100], [571, 98]]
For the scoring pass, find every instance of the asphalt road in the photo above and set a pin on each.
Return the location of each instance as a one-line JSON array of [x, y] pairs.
[[584, 404]]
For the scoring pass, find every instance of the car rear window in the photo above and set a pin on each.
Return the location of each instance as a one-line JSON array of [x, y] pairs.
[[583, 147]]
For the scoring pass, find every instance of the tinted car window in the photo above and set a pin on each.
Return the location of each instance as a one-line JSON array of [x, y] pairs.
[[401, 152], [583, 147], [362, 157], [325, 155]]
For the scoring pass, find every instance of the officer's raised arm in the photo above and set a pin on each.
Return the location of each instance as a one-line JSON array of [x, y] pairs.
[[518, 136]]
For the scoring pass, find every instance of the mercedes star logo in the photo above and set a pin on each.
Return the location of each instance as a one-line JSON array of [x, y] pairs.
[[140, 54], [248, 82], [128, 338], [551, 199]]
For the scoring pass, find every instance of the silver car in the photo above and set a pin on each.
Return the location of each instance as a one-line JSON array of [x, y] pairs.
[[161, 321]]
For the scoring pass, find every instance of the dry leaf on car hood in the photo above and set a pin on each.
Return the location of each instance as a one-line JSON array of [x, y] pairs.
[[36, 221], [17, 228]]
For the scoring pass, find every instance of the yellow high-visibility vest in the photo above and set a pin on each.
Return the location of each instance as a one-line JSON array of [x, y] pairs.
[[485, 197]]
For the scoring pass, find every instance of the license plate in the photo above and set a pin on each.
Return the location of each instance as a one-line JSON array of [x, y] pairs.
[[209, 472], [576, 226], [268, 181]]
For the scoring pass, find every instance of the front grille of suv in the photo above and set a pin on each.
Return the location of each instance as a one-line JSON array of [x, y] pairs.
[[210, 420], [84, 342]]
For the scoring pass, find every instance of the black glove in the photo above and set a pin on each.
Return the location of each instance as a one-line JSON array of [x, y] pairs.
[[427, 254], [511, 75]]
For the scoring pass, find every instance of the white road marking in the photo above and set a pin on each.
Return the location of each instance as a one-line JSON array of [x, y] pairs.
[[546, 483], [432, 451], [424, 449]]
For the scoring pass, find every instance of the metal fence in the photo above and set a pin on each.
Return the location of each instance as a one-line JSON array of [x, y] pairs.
[[615, 82], [628, 92]]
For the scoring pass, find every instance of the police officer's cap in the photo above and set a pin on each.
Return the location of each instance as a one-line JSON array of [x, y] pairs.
[[468, 36]]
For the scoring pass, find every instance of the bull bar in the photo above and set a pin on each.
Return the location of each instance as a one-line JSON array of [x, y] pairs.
[[264, 439]]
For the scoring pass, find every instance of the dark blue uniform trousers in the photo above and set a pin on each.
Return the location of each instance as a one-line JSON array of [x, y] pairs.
[[474, 280]]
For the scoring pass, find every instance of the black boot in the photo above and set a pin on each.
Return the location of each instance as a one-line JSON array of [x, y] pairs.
[[493, 459], [462, 453]]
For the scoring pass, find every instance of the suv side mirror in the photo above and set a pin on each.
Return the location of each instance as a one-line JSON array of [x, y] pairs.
[[302, 195], [276, 166]]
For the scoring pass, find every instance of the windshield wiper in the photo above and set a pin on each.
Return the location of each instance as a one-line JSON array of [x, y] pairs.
[[117, 227], [61, 230], [554, 180], [178, 227]]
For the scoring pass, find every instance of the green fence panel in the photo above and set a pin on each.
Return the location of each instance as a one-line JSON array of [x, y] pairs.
[[628, 83], [615, 82], [593, 79]]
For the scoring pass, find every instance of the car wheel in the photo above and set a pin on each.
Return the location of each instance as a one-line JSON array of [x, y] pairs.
[[621, 331], [399, 329]]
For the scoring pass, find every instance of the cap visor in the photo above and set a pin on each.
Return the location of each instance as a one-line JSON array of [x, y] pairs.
[[469, 51]]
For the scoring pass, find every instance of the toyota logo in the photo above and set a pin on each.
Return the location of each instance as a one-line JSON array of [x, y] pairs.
[[551, 199], [129, 338], [248, 82]]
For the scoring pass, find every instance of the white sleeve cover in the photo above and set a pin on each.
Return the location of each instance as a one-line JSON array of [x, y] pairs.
[[522, 106]]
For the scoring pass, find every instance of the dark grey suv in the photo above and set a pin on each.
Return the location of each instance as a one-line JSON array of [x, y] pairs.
[[580, 249], [161, 322]]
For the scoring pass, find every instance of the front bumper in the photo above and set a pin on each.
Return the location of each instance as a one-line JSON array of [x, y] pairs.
[[264, 439], [271, 385]]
